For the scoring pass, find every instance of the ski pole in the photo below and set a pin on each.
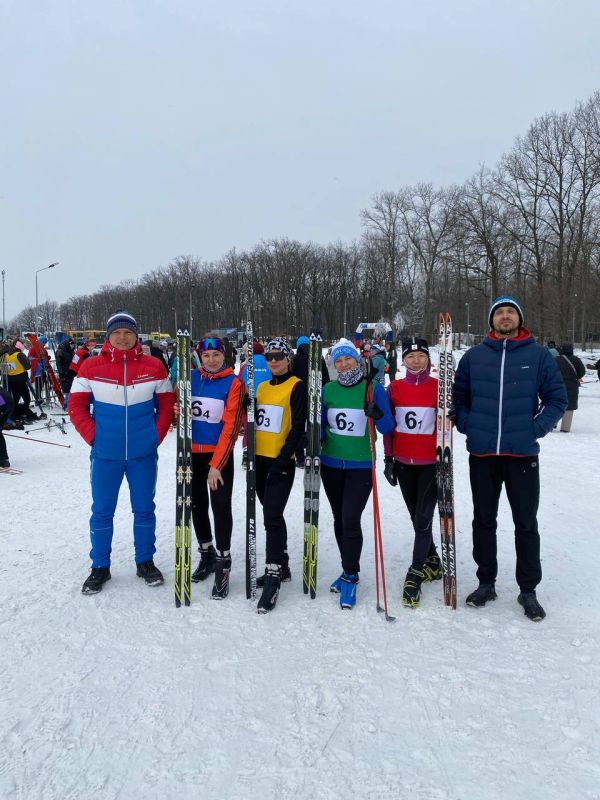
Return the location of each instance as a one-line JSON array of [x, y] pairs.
[[41, 441], [378, 538]]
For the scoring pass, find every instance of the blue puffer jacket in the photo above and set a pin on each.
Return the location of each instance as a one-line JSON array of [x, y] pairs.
[[508, 393]]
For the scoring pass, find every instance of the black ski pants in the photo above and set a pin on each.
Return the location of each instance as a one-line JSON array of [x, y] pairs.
[[419, 490], [220, 502], [347, 491], [20, 391], [521, 479], [273, 487]]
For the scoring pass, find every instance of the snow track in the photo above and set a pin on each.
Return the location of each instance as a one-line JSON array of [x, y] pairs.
[[121, 695]]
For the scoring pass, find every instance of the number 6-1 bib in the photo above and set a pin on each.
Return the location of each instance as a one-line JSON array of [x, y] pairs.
[[347, 421], [207, 409], [415, 419]]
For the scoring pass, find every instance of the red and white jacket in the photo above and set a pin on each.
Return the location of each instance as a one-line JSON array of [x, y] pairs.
[[413, 401], [132, 400]]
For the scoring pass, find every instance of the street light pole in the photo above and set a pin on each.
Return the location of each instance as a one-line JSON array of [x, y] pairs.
[[37, 317]]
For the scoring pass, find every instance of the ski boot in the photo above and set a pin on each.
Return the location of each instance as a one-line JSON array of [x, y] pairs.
[[348, 582], [270, 592], [150, 573], [483, 593], [286, 575], [220, 588], [336, 586], [432, 568], [97, 577], [411, 591], [208, 561], [531, 608]]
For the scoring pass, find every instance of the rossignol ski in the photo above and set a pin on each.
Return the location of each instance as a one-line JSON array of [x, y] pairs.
[[444, 459], [251, 472], [312, 468], [183, 503]]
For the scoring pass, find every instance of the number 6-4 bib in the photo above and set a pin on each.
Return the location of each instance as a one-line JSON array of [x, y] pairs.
[[269, 418], [347, 421], [207, 409], [415, 419]]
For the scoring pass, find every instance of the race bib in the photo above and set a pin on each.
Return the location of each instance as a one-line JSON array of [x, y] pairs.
[[269, 418], [415, 420], [207, 409], [347, 421], [11, 366]]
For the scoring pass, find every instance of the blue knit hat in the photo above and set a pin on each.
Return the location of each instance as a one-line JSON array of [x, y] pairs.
[[121, 319], [344, 348], [302, 340], [505, 300]]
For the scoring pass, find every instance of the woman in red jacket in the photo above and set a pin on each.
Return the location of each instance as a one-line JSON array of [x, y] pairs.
[[410, 460]]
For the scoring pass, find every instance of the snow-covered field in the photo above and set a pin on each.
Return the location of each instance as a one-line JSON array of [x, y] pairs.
[[121, 695]]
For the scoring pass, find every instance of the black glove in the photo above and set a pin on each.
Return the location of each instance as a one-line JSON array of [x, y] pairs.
[[373, 411], [389, 471], [451, 414]]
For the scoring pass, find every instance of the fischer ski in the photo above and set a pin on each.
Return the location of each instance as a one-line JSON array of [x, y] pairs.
[[251, 472], [444, 459], [183, 499], [312, 468]]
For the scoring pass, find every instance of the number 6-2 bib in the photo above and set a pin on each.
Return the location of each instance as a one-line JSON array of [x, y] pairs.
[[415, 419], [347, 421]]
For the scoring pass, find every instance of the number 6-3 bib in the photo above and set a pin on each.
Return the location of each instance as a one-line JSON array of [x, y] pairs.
[[415, 419], [268, 418], [207, 409], [347, 421]]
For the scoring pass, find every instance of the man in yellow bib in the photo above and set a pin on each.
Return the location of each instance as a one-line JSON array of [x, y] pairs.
[[279, 424]]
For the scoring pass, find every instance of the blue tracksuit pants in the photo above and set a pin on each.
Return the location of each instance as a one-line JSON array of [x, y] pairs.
[[106, 476]]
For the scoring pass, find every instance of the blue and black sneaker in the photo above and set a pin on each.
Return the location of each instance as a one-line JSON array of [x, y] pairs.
[[348, 581]]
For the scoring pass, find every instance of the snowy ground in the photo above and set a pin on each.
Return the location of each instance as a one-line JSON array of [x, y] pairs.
[[123, 696]]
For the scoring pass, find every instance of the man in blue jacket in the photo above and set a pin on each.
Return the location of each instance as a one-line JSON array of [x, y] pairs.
[[508, 393]]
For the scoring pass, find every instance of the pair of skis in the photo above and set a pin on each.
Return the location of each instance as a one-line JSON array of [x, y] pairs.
[[183, 501], [251, 471], [312, 468], [444, 459]]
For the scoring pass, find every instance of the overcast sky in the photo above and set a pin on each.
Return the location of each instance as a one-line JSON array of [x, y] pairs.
[[133, 131]]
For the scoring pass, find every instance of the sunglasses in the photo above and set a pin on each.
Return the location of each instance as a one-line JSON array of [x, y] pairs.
[[211, 343], [278, 356]]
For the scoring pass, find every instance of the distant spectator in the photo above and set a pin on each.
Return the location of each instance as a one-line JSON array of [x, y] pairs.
[[572, 370]]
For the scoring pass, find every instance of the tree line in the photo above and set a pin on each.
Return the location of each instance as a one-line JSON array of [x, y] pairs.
[[530, 227]]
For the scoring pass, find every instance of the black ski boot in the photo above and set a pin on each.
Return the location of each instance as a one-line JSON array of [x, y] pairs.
[[531, 607], [94, 581], [483, 593], [286, 575], [411, 591], [150, 573], [4, 463], [432, 568], [220, 588], [270, 592], [208, 562]]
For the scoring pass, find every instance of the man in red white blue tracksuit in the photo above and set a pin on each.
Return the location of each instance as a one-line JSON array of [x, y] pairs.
[[132, 405], [508, 393]]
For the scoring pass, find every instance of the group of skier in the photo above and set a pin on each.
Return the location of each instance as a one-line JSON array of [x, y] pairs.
[[508, 393]]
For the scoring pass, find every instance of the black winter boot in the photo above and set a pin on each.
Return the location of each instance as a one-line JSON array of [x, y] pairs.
[[208, 562], [531, 607], [150, 573], [220, 588], [483, 593], [270, 592], [97, 577]]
